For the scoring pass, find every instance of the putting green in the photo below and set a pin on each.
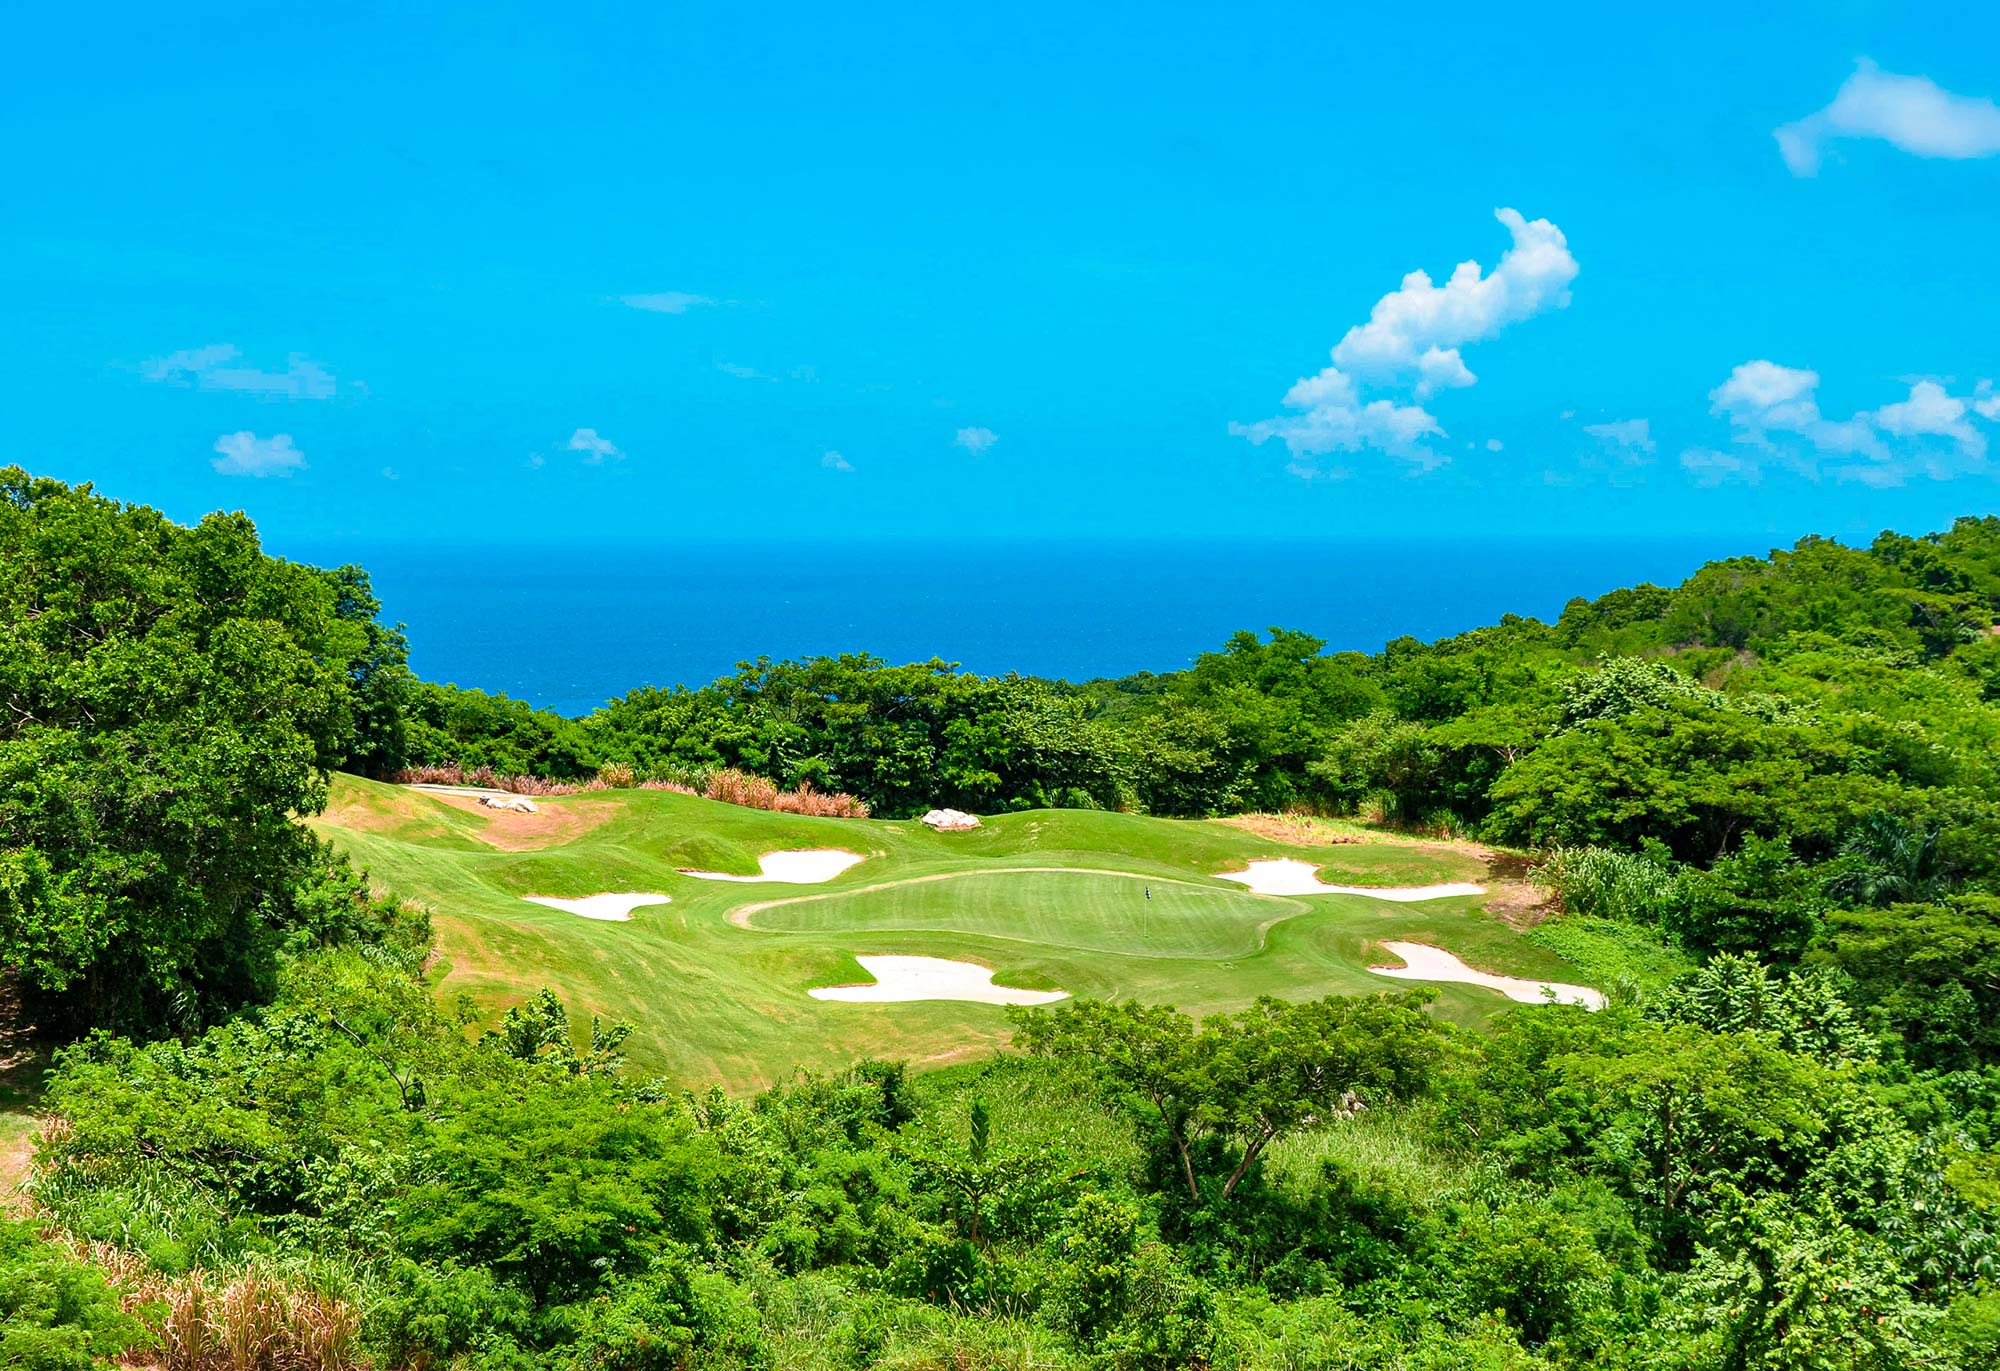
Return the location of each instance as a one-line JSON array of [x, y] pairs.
[[716, 982]]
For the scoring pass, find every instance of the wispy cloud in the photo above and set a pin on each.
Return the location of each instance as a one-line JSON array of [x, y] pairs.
[[667, 302], [214, 368], [245, 454], [1711, 467], [1913, 113], [743, 373], [833, 461], [1774, 414], [1633, 435], [1411, 343], [976, 440], [594, 446]]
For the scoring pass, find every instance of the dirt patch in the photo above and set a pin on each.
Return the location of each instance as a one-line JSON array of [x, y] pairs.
[[1512, 896], [1299, 830], [549, 826], [24, 1057]]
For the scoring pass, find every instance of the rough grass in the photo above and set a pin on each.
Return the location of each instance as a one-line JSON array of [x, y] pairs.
[[713, 1001]]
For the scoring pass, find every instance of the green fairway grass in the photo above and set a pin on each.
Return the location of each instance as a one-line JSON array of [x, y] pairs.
[[716, 981]]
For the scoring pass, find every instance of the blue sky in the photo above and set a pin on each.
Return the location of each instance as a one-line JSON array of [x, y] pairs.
[[690, 272]]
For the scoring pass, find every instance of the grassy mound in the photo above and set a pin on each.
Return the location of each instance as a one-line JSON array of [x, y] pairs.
[[716, 980]]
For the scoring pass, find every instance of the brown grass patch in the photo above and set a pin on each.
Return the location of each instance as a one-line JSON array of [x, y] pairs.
[[1298, 830], [757, 792], [548, 826]]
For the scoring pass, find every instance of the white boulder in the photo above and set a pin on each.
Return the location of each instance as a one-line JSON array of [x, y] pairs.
[[950, 820], [515, 804]]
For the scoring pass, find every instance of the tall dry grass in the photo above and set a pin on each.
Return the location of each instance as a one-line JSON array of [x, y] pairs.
[[247, 1321], [757, 792], [451, 773], [729, 786]]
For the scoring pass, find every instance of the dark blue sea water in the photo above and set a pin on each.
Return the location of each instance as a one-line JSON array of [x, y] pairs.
[[568, 628]]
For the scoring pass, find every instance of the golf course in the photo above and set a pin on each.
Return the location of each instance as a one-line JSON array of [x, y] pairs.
[[716, 952]]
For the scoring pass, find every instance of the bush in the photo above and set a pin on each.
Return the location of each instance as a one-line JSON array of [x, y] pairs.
[[1630, 887], [57, 1312]]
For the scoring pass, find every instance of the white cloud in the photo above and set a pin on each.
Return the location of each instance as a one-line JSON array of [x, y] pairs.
[[1986, 400], [833, 461], [1411, 343], [1932, 413], [1635, 435], [1400, 430], [742, 373], [245, 454], [1494, 445], [208, 368], [594, 446], [1420, 326], [1910, 112], [1441, 369], [976, 440], [666, 302], [1767, 405], [1761, 398]]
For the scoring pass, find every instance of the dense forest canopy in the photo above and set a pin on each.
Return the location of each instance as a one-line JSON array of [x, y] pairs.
[[1780, 772]]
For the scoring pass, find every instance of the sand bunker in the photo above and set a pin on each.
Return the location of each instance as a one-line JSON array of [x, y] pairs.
[[900, 979], [1288, 876], [612, 908], [1426, 963], [805, 866]]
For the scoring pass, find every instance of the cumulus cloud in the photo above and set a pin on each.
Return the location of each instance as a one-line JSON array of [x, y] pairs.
[[594, 446], [213, 368], [975, 440], [1634, 435], [1774, 411], [1420, 326], [666, 302], [245, 454], [1931, 412], [1913, 113], [1494, 445], [833, 461], [1762, 398], [1411, 343]]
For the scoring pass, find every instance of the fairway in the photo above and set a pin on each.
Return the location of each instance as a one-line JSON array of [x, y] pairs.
[[717, 982], [1080, 911]]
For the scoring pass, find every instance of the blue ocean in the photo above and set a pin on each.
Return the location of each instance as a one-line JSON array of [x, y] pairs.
[[568, 628]]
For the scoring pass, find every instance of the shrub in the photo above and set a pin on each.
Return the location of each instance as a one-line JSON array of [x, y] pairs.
[[58, 1311], [1631, 887]]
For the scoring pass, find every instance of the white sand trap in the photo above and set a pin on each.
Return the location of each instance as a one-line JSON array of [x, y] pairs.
[[612, 908], [899, 979], [803, 866], [1289, 876], [1425, 963]]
